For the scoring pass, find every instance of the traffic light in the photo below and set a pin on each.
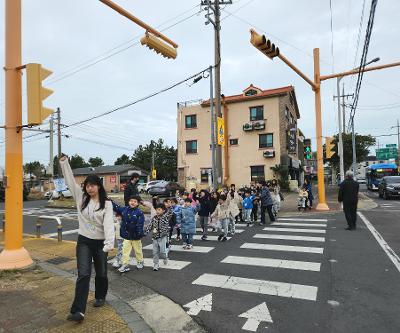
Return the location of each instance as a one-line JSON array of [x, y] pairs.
[[307, 149], [156, 44], [329, 147], [264, 45], [35, 74]]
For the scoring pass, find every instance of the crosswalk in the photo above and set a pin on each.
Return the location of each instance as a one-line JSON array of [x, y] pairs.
[[60, 212]]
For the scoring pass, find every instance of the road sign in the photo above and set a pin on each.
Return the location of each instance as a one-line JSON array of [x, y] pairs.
[[221, 131], [391, 145], [386, 153]]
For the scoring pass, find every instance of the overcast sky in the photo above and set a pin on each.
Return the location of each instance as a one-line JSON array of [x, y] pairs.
[[68, 37]]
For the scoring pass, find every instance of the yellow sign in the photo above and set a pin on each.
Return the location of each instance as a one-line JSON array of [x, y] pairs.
[[221, 131], [154, 174]]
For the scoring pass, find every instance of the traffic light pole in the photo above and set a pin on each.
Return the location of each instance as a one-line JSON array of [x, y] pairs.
[[14, 255]]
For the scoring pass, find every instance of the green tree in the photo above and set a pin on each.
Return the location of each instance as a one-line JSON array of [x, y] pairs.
[[165, 159], [76, 161], [363, 142], [34, 168], [123, 159], [282, 171], [96, 162]]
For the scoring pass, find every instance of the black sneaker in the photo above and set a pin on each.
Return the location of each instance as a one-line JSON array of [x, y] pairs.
[[220, 237], [224, 239], [204, 238], [98, 303], [77, 317]]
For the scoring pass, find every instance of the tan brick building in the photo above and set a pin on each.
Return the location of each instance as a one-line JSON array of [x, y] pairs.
[[260, 132]]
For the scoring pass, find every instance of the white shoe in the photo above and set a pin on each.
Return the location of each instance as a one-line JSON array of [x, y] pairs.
[[139, 265], [116, 264], [124, 269], [184, 245], [166, 261], [189, 247], [155, 268]]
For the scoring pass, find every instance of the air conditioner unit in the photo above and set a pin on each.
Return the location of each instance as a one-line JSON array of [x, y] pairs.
[[248, 127], [259, 125], [269, 153]]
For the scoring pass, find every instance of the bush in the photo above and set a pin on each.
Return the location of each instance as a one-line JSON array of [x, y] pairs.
[[282, 172]]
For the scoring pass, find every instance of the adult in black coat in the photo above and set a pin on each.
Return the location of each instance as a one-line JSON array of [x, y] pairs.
[[132, 188], [348, 195]]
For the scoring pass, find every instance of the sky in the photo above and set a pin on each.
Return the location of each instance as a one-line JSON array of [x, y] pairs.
[[98, 65]]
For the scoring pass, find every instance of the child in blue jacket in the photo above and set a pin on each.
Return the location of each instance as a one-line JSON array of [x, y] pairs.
[[247, 206], [131, 230], [187, 220]]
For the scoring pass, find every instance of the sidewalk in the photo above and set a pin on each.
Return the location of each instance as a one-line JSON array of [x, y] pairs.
[[38, 300]]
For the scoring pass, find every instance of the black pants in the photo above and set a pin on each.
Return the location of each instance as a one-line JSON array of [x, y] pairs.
[[240, 216], [86, 249], [350, 211], [254, 212], [269, 210]]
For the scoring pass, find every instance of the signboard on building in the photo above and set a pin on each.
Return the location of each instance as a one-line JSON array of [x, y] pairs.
[[292, 139], [221, 131], [59, 185], [390, 152]]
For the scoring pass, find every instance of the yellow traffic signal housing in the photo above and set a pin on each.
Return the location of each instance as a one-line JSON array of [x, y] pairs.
[[264, 45], [156, 44], [329, 147], [35, 74]]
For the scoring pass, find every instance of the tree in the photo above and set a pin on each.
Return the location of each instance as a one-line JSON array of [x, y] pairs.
[[76, 161], [34, 168], [282, 171], [96, 162], [363, 142], [123, 159], [165, 159]]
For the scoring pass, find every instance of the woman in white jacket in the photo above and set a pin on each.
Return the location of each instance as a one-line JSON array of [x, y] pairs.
[[95, 240]]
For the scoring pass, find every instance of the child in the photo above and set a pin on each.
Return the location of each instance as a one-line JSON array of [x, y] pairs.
[[131, 231], [223, 213], [204, 212], [254, 212], [159, 227], [248, 206], [176, 209], [117, 226], [187, 219], [302, 199]]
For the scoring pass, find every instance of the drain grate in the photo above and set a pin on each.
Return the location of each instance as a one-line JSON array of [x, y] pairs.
[[58, 260]]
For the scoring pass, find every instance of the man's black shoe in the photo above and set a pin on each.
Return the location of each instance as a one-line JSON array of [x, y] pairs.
[[224, 239], [220, 237], [348, 228], [98, 303], [77, 317]]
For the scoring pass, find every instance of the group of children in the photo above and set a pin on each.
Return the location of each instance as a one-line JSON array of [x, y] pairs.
[[216, 210]]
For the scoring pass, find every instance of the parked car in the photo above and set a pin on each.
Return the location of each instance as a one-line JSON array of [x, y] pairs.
[[142, 187], [165, 188], [149, 185], [65, 194], [389, 187], [47, 195]]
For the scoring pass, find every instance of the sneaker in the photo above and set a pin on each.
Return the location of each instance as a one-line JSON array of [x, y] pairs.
[[220, 237], [98, 303], [77, 317], [139, 265], [224, 239], [155, 268], [189, 247], [248, 224], [116, 264], [178, 238], [124, 269], [184, 245], [204, 238], [165, 261]]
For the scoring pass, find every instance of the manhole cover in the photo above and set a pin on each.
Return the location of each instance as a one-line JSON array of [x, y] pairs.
[[58, 260]]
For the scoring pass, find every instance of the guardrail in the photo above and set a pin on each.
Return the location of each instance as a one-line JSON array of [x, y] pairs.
[[46, 217]]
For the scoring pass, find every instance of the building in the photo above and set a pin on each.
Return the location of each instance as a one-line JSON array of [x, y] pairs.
[[260, 132], [114, 177]]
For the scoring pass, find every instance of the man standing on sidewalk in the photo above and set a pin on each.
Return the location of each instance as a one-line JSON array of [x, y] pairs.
[[266, 203], [348, 195], [131, 189]]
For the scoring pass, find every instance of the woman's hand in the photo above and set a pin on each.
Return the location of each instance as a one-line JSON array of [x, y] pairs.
[[63, 158]]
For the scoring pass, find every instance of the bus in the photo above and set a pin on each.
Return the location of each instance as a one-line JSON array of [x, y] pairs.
[[376, 172]]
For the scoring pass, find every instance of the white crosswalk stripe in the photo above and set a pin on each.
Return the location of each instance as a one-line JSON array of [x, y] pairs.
[[209, 237], [289, 224], [265, 287], [290, 237], [237, 231], [276, 263], [284, 248], [179, 248], [311, 231], [301, 219], [172, 264]]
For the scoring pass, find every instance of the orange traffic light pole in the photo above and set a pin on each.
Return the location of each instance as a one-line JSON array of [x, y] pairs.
[[14, 255]]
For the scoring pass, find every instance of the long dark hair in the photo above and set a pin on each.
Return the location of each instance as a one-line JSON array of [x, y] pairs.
[[94, 180]]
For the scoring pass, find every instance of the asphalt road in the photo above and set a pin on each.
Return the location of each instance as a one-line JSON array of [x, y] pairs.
[[304, 274]]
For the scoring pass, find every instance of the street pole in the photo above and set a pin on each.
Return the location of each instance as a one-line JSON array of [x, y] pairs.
[[51, 161], [213, 131], [59, 132], [340, 147], [318, 118], [343, 110], [353, 143], [14, 255]]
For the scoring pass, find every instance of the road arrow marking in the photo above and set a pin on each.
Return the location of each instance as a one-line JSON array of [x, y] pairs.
[[255, 316], [201, 304]]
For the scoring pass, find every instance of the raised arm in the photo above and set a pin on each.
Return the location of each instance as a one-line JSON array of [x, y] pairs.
[[75, 189], [117, 208]]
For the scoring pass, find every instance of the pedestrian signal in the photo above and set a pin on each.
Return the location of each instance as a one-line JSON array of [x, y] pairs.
[[307, 149]]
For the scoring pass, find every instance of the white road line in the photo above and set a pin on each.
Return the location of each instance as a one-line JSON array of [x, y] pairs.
[[286, 237], [172, 264], [311, 231], [68, 232], [289, 224], [237, 231], [385, 246], [286, 248], [209, 238], [178, 248], [264, 287], [276, 263], [301, 219]]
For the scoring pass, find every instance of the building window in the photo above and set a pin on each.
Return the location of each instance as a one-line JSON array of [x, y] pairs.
[[251, 92], [266, 140], [256, 113], [204, 175], [191, 147], [233, 142], [287, 113], [257, 173], [191, 121]]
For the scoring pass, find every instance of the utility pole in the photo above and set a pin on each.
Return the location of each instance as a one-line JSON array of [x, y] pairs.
[[213, 132], [217, 85], [51, 136], [59, 131], [398, 142], [14, 255]]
